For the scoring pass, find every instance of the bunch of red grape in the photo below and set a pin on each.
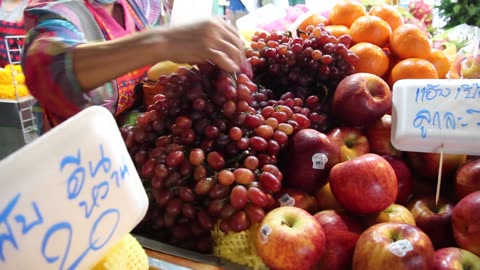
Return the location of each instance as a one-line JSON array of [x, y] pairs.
[[304, 66], [207, 150]]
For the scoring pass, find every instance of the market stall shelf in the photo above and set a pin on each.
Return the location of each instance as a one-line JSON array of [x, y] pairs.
[[17, 122]]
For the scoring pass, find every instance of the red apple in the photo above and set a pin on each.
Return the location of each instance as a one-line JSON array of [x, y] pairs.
[[466, 222], [379, 137], [393, 246], [452, 258], [325, 198], [393, 213], [467, 178], [290, 238], [341, 232], [404, 178], [426, 164], [364, 185], [339, 219], [352, 142], [298, 198], [361, 99], [434, 220], [308, 159]]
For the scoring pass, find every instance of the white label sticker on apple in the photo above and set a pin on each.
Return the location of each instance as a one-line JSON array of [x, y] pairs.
[[286, 200], [319, 160], [401, 248], [265, 231]]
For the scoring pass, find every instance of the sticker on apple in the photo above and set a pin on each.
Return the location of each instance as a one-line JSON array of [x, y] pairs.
[[286, 200], [319, 160], [401, 248], [265, 231]]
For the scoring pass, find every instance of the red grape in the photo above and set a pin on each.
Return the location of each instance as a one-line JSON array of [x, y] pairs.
[[219, 191], [174, 207], [251, 163], [226, 177], [147, 169], [265, 131], [183, 122], [186, 194], [235, 133], [254, 213], [196, 156], [215, 207], [238, 197], [215, 160], [243, 176], [204, 185], [270, 182], [257, 196], [273, 170], [239, 221], [204, 219], [189, 211], [175, 158]]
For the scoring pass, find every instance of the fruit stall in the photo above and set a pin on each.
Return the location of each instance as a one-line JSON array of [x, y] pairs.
[[289, 163], [294, 161]]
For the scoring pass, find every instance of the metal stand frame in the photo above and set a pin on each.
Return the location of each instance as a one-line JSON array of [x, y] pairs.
[[24, 104]]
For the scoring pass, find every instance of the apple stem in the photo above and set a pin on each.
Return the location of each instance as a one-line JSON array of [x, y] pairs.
[[439, 178], [286, 223]]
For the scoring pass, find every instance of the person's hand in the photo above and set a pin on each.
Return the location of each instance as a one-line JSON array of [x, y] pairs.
[[211, 40]]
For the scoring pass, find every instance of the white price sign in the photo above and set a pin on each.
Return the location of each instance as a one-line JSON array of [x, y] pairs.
[[434, 115], [68, 196]]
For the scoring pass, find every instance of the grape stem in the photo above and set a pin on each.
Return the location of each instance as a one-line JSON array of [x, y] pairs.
[[234, 160]]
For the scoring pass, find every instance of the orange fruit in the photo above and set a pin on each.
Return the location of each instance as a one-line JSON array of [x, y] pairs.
[[441, 62], [345, 12], [337, 30], [314, 20], [372, 59], [409, 41], [388, 14], [413, 68], [370, 29], [309, 23]]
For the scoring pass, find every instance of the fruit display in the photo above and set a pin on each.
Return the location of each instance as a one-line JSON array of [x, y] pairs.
[[12, 82], [288, 164]]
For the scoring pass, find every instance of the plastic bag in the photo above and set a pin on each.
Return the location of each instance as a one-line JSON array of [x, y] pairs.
[[466, 64]]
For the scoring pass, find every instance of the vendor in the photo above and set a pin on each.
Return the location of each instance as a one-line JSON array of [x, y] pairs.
[[11, 24], [80, 53]]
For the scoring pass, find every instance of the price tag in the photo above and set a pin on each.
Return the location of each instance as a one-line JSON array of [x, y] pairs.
[[68, 196], [429, 114]]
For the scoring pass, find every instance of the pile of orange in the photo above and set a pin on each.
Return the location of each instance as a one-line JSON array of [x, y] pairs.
[[385, 45]]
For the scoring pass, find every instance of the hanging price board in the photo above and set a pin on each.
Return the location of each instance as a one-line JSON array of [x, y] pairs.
[[68, 196]]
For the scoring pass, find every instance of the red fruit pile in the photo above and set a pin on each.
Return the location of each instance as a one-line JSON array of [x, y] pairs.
[[207, 152]]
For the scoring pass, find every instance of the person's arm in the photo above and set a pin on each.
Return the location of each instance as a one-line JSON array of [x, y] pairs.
[[212, 40], [60, 66]]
